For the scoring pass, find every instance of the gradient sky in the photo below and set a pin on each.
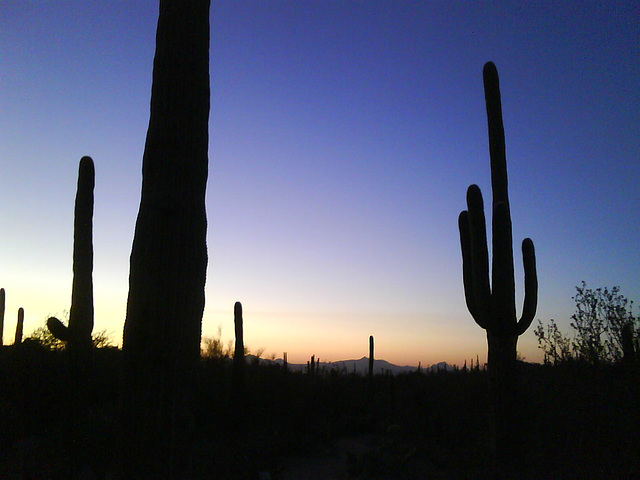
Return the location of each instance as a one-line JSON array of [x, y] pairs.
[[343, 136]]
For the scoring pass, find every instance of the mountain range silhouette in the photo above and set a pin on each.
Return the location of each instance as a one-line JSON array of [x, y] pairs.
[[359, 366]]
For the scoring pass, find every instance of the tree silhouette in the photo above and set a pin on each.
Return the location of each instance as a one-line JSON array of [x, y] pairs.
[[604, 329]]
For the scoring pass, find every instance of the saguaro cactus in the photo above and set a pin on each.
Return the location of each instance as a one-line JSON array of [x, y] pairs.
[[78, 334], [19, 327], [161, 342], [237, 389], [370, 356], [492, 303], [238, 354], [2, 299]]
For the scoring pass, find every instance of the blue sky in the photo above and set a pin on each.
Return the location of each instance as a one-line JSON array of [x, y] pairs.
[[343, 136]]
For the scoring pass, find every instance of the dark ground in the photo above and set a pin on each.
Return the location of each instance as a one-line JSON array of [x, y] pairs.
[[577, 422]]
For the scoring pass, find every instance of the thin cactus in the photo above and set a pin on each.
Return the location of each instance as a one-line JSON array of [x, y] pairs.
[[238, 356], [238, 371], [19, 327], [2, 299], [491, 302], [78, 334], [311, 365], [370, 356]]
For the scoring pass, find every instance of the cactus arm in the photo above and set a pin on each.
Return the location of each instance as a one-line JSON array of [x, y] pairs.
[[58, 329], [479, 257], [530, 286], [467, 271]]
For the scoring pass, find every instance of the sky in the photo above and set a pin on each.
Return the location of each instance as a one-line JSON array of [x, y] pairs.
[[343, 137]]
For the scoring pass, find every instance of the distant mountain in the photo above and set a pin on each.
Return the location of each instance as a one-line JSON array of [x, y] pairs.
[[360, 366]]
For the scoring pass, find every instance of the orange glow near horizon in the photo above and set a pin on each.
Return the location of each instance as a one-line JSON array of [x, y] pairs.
[[330, 336]]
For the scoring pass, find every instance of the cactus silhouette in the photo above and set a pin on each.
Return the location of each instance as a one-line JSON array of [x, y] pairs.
[[2, 299], [237, 388], [238, 355], [491, 302], [370, 356], [19, 327], [161, 340], [78, 334]]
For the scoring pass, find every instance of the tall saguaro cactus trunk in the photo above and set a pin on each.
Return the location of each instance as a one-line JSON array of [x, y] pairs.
[[492, 302], [161, 344]]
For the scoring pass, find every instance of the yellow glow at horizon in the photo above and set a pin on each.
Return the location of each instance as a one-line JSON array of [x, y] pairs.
[[331, 336]]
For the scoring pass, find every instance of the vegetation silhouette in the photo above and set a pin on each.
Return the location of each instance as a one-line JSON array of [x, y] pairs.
[[43, 337], [605, 330], [428, 424], [491, 302]]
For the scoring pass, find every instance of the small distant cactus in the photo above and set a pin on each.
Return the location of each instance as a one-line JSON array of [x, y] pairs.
[[370, 356], [311, 366], [19, 327], [238, 355]]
